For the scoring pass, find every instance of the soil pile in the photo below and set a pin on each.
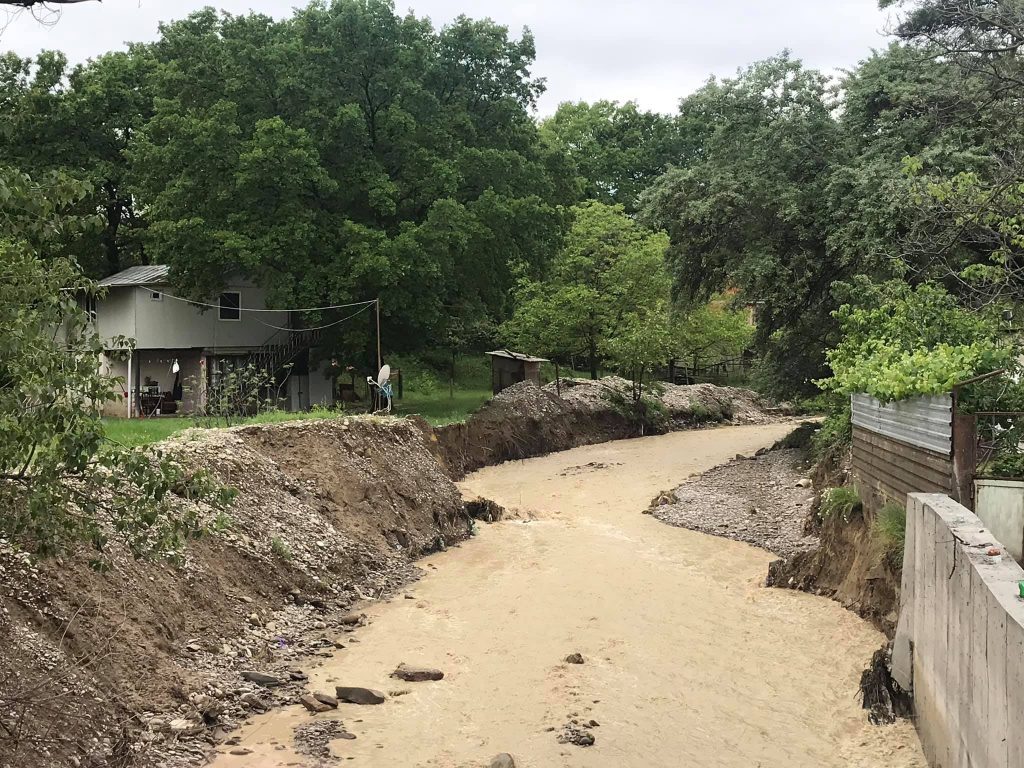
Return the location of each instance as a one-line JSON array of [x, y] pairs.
[[154, 663], [760, 500], [525, 420]]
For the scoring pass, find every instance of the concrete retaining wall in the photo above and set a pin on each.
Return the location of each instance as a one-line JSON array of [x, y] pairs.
[[960, 641]]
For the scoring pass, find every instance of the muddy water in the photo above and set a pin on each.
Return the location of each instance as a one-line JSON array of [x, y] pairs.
[[689, 661]]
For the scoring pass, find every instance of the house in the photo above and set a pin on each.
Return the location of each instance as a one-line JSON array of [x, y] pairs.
[[182, 348], [508, 368]]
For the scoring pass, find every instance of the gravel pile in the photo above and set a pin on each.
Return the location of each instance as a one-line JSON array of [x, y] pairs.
[[759, 500]]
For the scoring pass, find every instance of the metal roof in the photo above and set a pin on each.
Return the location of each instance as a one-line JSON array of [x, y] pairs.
[[156, 273], [516, 356]]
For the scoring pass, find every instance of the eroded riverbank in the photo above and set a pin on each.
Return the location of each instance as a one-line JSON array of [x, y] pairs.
[[689, 661]]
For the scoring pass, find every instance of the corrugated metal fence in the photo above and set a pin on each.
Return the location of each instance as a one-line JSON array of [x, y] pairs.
[[902, 447]]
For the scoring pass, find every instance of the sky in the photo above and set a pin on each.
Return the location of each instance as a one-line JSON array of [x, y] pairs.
[[650, 51]]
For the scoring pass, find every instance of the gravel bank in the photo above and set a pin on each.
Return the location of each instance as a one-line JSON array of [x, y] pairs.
[[758, 500]]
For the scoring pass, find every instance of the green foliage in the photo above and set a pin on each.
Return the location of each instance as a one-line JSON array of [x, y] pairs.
[[890, 532], [236, 392], [608, 277], [618, 149], [900, 341], [351, 152], [709, 333], [835, 434], [840, 502], [748, 211], [280, 549], [649, 416], [639, 341], [61, 484]]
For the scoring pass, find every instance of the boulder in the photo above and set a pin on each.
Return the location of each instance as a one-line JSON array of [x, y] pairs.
[[413, 674], [313, 704], [323, 698], [260, 678], [574, 658], [353, 695], [504, 760], [350, 619]]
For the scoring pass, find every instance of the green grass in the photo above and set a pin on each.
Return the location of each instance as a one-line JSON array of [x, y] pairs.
[[438, 408], [890, 530], [842, 501]]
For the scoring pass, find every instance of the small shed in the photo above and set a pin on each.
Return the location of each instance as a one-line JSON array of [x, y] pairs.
[[508, 368]]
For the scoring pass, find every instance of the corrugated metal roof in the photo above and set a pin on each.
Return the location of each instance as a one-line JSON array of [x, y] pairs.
[[516, 356], [926, 422], [156, 273]]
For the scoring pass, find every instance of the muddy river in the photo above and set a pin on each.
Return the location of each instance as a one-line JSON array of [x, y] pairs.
[[689, 661]]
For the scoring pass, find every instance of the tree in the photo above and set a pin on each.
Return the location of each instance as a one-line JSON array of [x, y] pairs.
[[350, 152], [710, 333], [640, 341], [609, 269], [82, 121], [748, 212], [61, 483], [618, 149]]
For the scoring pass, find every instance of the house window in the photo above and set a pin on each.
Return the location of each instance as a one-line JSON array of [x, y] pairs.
[[231, 305], [88, 303], [156, 296]]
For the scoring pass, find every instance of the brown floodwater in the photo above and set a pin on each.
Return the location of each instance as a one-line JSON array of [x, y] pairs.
[[689, 660]]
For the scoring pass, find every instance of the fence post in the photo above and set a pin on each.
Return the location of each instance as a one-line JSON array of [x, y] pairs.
[[965, 456]]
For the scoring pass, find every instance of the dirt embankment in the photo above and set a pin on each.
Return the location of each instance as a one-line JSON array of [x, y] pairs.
[[146, 661], [847, 565], [525, 420]]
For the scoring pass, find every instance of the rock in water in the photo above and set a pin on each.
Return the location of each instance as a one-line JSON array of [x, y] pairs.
[[313, 704], [504, 760], [359, 695], [574, 658], [413, 674]]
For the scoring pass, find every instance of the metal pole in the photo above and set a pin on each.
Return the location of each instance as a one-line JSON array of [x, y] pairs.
[[380, 360]]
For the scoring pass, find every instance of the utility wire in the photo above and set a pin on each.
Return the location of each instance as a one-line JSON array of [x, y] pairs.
[[249, 309], [321, 327]]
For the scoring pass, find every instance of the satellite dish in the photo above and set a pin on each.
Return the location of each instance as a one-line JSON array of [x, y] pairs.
[[384, 376]]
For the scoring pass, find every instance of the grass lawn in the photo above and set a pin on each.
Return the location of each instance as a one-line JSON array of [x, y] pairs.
[[438, 408]]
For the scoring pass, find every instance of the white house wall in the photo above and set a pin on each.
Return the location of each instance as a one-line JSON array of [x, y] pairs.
[[172, 324]]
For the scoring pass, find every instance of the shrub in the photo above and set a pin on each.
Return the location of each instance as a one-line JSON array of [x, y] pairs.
[[835, 434], [842, 502], [280, 548], [890, 531]]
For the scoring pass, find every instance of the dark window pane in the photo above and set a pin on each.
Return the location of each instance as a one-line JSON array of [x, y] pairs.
[[230, 306]]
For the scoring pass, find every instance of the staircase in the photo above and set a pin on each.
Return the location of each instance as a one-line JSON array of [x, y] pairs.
[[282, 348]]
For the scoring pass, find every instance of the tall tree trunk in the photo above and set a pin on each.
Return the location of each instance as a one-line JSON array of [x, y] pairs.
[[592, 354]]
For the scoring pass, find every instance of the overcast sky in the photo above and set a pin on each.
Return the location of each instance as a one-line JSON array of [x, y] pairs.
[[652, 51]]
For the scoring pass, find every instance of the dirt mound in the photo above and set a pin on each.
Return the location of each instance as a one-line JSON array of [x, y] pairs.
[[147, 659], [525, 420]]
